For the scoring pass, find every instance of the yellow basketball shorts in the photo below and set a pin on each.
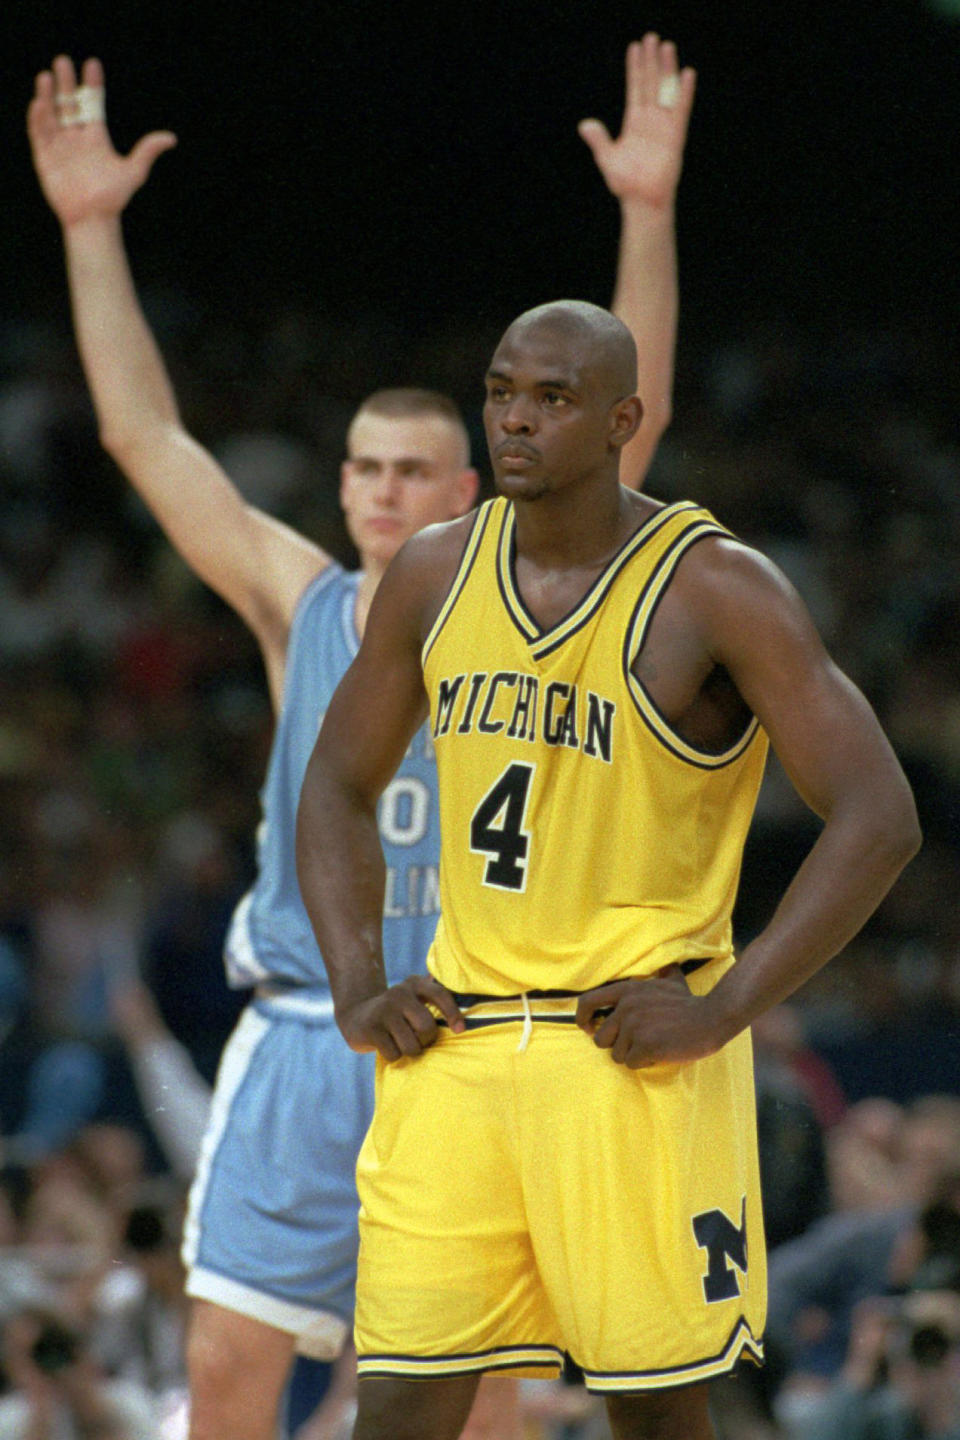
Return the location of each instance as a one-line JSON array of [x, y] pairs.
[[523, 1196]]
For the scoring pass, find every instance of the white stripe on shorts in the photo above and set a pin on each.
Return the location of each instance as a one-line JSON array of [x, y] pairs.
[[320, 1337], [234, 1064]]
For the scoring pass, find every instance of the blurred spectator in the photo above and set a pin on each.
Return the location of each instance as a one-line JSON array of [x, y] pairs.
[[138, 1321], [56, 1390], [901, 1378], [798, 1098], [818, 1280]]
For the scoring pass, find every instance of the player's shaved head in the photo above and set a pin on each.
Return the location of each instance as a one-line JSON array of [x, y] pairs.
[[605, 344]]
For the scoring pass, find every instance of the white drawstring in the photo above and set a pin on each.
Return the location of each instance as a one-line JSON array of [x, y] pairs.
[[527, 1025]]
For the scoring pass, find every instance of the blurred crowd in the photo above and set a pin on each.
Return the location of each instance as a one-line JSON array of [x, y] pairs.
[[134, 726]]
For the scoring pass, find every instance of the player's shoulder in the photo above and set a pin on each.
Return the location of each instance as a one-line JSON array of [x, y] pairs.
[[721, 564], [434, 553], [735, 595], [421, 573]]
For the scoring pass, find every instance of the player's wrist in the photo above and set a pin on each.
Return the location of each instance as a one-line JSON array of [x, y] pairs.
[[646, 209], [90, 229], [722, 1014]]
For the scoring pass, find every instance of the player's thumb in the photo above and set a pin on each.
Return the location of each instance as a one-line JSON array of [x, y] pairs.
[[146, 151], [596, 135]]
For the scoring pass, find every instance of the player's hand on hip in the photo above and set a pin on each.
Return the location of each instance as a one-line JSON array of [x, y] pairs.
[[401, 1021], [646, 1022], [82, 176]]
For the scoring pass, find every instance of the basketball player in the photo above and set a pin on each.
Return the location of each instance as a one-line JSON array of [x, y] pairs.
[[271, 1236], [563, 1151]]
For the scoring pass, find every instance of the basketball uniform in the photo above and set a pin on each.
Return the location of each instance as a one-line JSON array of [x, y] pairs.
[[272, 1224], [521, 1194]]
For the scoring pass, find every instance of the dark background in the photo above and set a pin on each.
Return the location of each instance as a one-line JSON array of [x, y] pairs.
[[421, 162]]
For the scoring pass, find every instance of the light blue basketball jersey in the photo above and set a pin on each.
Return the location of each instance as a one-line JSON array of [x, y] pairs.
[[270, 938]]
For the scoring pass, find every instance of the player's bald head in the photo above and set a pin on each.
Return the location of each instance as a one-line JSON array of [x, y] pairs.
[[602, 344]]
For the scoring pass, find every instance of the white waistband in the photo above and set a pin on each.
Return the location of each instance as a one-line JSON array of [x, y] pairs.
[[311, 1004]]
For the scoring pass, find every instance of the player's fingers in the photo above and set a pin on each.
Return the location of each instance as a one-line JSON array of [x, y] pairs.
[[606, 1035], [41, 120], [634, 71], [650, 66], [93, 73], [593, 1005], [405, 1036], [671, 972], [64, 75], [146, 151], [43, 86], [596, 135], [675, 973], [688, 87], [386, 1045], [623, 1046], [635, 1056], [421, 1022], [439, 996], [667, 58]]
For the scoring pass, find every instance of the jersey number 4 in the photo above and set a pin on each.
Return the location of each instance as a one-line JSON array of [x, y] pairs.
[[497, 829]]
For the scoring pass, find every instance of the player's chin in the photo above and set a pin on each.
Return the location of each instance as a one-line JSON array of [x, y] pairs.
[[520, 484], [381, 544]]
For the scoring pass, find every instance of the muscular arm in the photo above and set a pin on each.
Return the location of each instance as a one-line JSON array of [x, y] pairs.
[[642, 169], [842, 765], [747, 618], [371, 720], [259, 566]]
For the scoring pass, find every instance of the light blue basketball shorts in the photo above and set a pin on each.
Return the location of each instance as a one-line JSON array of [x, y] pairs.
[[271, 1228]]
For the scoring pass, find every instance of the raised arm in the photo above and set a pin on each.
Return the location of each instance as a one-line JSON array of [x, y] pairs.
[[259, 566], [747, 618], [642, 169], [374, 714]]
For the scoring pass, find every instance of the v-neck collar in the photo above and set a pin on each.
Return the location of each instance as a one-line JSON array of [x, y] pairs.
[[542, 641]]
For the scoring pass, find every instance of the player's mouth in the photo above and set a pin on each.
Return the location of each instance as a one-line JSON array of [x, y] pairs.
[[516, 457]]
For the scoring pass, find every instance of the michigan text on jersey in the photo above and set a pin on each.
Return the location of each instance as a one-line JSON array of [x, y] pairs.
[[517, 704]]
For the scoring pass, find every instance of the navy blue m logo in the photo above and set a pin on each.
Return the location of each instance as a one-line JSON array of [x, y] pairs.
[[723, 1242]]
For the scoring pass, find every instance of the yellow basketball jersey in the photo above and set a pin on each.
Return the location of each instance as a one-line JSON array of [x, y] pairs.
[[583, 839]]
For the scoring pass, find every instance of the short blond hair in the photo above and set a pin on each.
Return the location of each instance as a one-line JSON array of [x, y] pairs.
[[414, 403]]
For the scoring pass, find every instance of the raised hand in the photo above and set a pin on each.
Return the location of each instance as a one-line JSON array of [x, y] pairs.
[[81, 173], [645, 160]]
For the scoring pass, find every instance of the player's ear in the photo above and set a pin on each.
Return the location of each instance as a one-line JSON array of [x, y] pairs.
[[345, 472], [625, 420], [468, 487]]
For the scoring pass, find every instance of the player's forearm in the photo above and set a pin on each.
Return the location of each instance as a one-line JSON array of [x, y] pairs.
[[128, 382], [175, 1099], [341, 871], [646, 300], [255, 564], [856, 859]]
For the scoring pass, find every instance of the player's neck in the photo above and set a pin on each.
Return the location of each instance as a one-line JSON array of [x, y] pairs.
[[569, 529], [370, 576]]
